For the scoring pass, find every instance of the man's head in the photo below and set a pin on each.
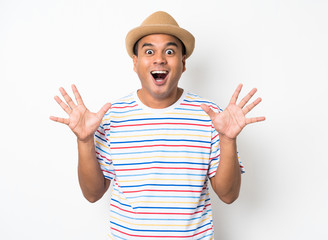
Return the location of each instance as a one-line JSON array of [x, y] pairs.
[[159, 23]]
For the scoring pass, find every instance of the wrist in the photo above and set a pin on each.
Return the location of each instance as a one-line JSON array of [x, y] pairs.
[[225, 139], [86, 141]]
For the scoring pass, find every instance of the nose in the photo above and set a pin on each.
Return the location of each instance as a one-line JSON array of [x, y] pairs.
[[159, 58]]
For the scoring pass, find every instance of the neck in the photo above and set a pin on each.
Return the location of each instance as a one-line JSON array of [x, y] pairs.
[[158, 102]]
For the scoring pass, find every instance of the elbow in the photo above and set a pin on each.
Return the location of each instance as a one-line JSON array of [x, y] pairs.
[[229, 199], [92, 198]]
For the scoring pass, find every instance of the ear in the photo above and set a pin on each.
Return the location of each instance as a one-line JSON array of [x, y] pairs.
[[184, 63], [135, 61]]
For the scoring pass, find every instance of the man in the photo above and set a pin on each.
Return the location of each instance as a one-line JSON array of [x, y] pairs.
[[160, 145]]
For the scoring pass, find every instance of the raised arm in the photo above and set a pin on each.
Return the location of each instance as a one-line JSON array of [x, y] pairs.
[[84, 124], [229, 123]]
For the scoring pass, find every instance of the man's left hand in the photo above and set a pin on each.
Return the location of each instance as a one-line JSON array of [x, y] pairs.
[[232, 120]]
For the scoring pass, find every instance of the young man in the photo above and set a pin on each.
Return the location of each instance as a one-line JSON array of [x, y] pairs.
[[160, 145]]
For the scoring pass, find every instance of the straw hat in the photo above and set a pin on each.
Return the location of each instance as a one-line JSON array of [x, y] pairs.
[[160, 22]]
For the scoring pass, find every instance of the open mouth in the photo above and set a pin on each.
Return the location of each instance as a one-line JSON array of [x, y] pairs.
[[159, 75]]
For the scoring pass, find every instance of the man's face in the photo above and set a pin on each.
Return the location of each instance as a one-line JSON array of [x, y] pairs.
[[159, 65]]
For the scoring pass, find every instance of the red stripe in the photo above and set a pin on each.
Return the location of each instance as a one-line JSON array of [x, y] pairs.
[[108, 172], [187, 104], [125, 106], [133, 169], [153, 190], [147, 124], [215, 136], [100, 132], [161, 145], [134, 235], [103, 156], [215, 157], [195, 105]]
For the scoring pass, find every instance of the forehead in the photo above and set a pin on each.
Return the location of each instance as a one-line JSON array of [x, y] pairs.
[[159, 39]]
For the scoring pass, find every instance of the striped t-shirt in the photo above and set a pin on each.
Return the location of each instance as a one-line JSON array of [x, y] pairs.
[[160, 161]]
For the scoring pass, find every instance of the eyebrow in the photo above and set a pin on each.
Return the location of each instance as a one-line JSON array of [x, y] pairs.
[[167, 45]]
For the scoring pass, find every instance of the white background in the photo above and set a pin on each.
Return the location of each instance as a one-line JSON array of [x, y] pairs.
[[278, 46]]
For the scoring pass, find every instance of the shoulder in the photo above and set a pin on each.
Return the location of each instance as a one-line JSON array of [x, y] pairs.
[[120, 107], [196, 100]]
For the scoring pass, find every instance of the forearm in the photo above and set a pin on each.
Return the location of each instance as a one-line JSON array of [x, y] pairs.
[[91, 178], [227, 180]]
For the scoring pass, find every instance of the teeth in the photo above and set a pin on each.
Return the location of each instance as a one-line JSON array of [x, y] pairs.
[[159, 72]]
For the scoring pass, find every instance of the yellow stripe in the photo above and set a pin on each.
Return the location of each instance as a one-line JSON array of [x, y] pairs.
[[102, 144], [163, 225], [160, 179], [110, 236], [151, 135], [147, 114], [194, 98], [189, 114], [106, 165], [132, 115]]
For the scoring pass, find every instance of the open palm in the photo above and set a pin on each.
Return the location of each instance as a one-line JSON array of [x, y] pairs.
[[232, 120], [81, 121]]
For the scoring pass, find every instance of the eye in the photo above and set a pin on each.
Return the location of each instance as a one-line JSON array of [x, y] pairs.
[[169, 52], [149, 51]]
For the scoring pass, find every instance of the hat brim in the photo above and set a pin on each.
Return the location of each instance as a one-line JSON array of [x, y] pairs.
[[137, 33]]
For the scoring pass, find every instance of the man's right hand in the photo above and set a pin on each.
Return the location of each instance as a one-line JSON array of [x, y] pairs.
[[81, 121]]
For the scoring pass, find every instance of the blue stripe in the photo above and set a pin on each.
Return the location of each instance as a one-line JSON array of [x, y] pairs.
[[208, 235], [160, 219], [161, 129], [195, 110], [102, 150], [158, 151], [197, 101], [164, 162], [128, 111], [104, 140], [166, 174], [127, 103], [173, 197], [162, 230], [119, 237]]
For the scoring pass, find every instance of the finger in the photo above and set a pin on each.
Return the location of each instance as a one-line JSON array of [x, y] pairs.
[[103, 110], [77, 95], [245, 100], [208, 110], [254, 120], [67, 98], [60, 120], [249, 107], [236, 94], [63, 105]]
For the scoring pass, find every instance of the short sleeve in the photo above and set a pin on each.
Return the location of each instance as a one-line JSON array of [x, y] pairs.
[[102, 147], [215, 152]]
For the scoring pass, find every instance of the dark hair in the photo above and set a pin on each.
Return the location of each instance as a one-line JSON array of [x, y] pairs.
[[135, 48]]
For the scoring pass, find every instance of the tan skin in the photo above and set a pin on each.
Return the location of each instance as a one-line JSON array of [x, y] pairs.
[[158, 52]]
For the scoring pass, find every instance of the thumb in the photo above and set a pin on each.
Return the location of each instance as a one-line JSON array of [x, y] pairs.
[[103, 110], [208, 110]]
